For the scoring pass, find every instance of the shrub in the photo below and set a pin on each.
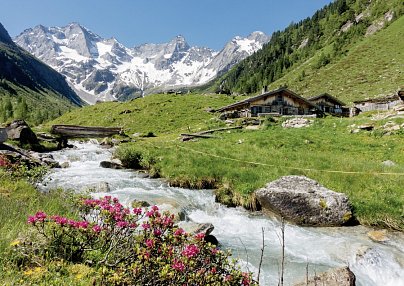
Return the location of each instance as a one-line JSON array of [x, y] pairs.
[[130, 157], [128, 247]]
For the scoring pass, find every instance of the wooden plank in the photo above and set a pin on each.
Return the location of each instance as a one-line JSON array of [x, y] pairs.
[[197, 135], [219, 129], [75, 131], [202, 134]]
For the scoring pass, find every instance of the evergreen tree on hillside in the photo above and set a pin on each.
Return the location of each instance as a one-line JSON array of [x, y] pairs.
[[301, 41]]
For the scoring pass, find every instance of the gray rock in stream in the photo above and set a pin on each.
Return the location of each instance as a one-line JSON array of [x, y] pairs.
[[101, 187], [111, 165], [18, 155], [205, 228], [305, 202], [334, 277]]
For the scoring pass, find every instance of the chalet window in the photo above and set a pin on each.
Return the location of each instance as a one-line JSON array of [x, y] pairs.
[[255, 110], [278, 100]]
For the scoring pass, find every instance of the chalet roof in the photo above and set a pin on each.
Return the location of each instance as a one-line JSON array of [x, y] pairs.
[[336, 100], [254, 98]]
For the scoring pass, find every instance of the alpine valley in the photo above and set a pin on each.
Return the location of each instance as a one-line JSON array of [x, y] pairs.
[[104, 69]]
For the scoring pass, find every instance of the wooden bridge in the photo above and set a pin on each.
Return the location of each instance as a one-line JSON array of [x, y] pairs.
[[64, 132]]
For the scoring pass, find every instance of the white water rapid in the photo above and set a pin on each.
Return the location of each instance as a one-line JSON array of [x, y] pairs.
[[239, 230]]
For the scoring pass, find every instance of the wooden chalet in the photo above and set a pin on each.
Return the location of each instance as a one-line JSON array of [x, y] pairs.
[[277, 102], [380, 103], [329, 104]]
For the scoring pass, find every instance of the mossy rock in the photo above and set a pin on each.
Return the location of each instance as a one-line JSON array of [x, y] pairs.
[[139, 204]]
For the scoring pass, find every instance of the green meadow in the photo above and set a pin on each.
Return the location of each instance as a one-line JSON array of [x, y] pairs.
[[238, 162]]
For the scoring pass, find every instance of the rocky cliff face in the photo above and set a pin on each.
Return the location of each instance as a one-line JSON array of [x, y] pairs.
[[104, 69], [24, 70]]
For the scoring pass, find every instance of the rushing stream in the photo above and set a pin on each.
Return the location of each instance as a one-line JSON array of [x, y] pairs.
[[239, 230]]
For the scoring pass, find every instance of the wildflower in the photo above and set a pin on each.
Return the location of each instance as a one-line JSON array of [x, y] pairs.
[[28, 272], [71, 223], [122, 224], [179, 232], [178, 265], [200, 236], [146, 226], [190, 250], [157, 232], [60, 220], [79, 276], [246, 280], [149, 243], [228, 278], [39, 216], [81, 224], [15, 242], [137, 211], [91, 203], [167, 221], [96, 228], [150, 213]]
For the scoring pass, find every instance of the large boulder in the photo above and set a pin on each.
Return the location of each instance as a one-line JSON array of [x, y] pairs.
[[305, 202], [334, 277], [20, 131]]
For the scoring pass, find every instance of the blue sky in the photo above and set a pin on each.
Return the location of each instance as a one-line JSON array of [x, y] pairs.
[[208, 23]]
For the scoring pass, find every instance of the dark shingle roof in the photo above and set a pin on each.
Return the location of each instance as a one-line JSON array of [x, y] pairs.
[[251, 99]]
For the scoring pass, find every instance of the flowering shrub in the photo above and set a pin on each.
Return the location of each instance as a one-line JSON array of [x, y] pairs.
[[131, 247], [4, 162]]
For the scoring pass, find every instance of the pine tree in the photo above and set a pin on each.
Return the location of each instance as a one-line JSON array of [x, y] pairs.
[[8, 109]]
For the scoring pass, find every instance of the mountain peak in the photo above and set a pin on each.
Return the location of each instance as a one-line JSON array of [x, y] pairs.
[[76, 25], [179, 43], [105, 69], [259, 37], [4, 36], [180, 38]]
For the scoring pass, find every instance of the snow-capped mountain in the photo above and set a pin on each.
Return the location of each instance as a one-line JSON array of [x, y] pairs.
[[104, 69]]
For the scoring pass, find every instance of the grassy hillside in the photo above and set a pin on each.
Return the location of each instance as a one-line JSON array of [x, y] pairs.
[[160, 114], [372, 67], [239, 162], [329, 52]]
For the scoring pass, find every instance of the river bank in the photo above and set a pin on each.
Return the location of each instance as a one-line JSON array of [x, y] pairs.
[[240, 230], [366, 167]]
